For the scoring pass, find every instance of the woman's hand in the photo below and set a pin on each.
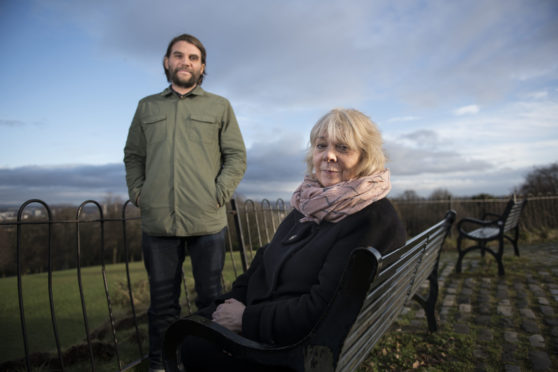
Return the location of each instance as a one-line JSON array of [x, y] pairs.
[[229, 315]]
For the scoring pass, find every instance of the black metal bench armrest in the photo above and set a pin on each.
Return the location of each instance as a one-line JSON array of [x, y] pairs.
[[231, 342], [475, 221], [488, 214]]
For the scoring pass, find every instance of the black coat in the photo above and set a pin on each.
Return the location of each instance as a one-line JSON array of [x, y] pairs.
[[292, 279]]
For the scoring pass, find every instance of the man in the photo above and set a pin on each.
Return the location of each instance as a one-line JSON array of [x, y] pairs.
[[184, 157]]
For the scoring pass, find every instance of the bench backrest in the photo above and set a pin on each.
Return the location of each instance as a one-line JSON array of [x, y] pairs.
[[511, 215], [385, 284], [400, 275]]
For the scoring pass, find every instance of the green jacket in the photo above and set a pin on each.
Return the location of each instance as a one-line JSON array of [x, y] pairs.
[[184, 158]]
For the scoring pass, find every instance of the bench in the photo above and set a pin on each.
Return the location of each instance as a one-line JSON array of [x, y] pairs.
[[492, 227], [371, 294]]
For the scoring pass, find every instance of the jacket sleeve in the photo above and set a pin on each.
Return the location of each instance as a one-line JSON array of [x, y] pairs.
[[134, 159], [287, 320], [240, 285], [233, 153]]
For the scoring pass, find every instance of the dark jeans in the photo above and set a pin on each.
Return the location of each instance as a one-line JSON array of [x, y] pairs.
[[163, 258]]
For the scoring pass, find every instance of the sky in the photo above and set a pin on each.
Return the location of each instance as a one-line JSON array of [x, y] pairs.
[[465, 93]]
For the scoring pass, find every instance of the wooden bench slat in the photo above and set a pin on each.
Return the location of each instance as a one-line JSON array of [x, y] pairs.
[[371, 331], [485, 233]]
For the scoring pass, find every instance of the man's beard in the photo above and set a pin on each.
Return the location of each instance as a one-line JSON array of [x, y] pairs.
[[188, 83]]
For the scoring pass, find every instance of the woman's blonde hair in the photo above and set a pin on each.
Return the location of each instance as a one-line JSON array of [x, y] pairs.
[[355, 130]]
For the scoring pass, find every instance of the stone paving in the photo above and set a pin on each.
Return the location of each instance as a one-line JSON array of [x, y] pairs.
[[516, 313]]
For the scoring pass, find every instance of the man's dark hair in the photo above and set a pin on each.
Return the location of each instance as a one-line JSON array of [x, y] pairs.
[[192, 40]]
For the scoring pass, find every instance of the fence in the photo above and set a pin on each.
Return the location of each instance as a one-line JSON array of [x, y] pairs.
[[37, 234], [115, 236], [538, 216]]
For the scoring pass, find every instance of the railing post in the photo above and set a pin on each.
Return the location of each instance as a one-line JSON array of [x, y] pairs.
[[250, 247], [265, 201], [103, 269], [239, 236], [80, 285], [125, 243], [20, 287]]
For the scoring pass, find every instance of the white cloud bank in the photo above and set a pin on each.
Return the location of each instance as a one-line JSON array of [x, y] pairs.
[[467, 110]]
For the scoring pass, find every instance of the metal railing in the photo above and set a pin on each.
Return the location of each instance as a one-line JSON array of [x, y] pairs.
[[23, 221], [538, 216], [251, 225], [90, 213]]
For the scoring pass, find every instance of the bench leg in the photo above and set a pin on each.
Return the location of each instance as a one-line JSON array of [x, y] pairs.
[[514, 240], [430, 304], [501, 271], [499, 256], [460, 255], [515, 248], [482, 245]]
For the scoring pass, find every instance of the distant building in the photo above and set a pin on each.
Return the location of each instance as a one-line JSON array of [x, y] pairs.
[[7, 216]]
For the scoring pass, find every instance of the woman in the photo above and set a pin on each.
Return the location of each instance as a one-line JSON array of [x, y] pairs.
[[339, 206]]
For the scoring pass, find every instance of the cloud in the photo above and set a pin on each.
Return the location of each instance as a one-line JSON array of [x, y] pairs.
[[406, 160], [467, 110], [274, 170], [270, 190], [423, 138], [61, 184], [477, 52], [498, 182], [403, 119], [423, 161], [20, 123], [538, 95], [515, 134], [278, 161], [11, 123], [110, 175]]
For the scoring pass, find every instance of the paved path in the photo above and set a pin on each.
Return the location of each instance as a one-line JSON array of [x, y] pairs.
[[518, 312]]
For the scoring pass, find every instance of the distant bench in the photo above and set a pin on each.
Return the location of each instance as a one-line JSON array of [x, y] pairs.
[[372, 293], [492, 227]]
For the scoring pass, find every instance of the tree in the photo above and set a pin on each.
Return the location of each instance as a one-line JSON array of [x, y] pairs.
[[541, 180], [409, 195], [482, 196], [440, 194]]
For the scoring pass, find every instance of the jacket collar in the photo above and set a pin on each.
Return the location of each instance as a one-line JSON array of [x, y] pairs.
[[197, 91]]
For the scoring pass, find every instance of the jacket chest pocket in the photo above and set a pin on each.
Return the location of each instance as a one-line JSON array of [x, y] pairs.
[[155, 128], [203, 128]]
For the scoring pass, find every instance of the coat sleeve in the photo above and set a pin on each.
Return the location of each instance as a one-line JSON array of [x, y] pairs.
[[287, 320], [240, 285], [134, 159], [233, 154]]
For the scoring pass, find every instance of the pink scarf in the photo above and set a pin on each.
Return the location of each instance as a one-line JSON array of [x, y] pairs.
[[336, 202]]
